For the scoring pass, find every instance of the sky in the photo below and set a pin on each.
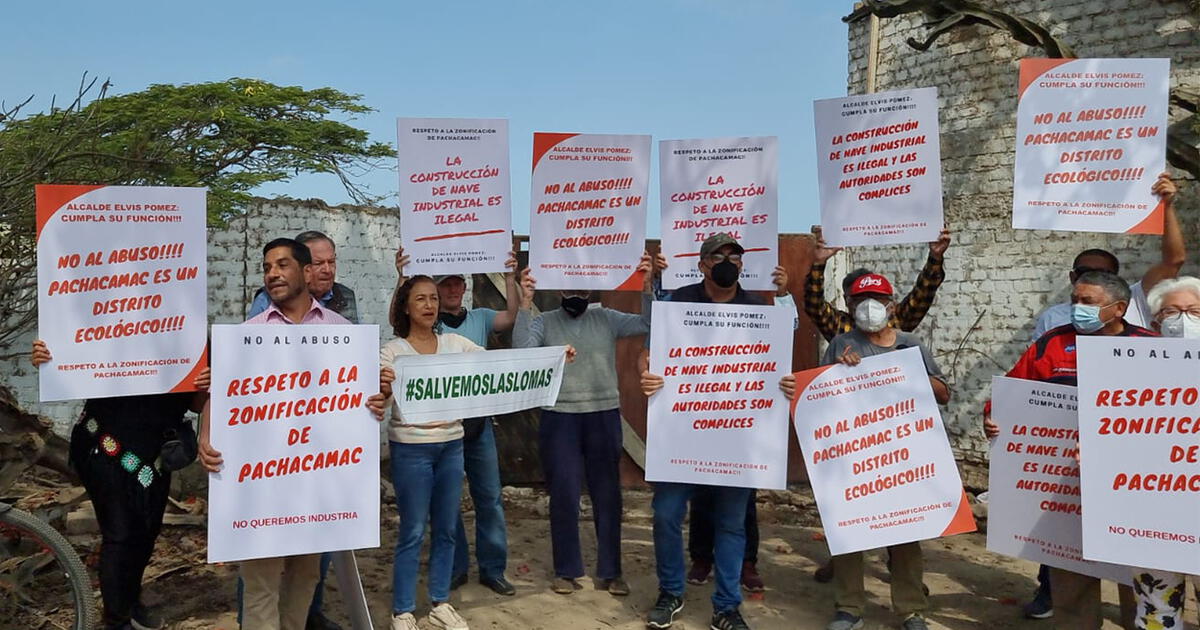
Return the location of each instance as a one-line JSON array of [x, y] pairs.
[[669, 68]]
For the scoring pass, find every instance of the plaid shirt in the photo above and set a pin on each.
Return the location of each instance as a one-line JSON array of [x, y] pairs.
[[908, 314]]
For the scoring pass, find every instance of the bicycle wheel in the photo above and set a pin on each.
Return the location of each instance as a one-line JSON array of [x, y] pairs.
[[44, 583]]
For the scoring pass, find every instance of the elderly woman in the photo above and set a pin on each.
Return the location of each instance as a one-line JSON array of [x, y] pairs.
[[1160, 594]]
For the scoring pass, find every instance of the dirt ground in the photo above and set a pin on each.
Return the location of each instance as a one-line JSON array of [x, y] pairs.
[[970, 587]]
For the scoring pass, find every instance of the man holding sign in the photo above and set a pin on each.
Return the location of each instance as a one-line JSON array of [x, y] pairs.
[[279, 590], [1099, 301], [871, 301], [720, 264]]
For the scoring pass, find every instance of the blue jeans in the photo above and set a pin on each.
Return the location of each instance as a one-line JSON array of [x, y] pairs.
[[491, 536], [428, 481], [729, 546]]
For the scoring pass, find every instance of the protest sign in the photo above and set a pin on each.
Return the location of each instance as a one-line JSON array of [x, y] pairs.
[[1139, 416], [301, 448], [877, 453], [879, 168], [1034, 505], [587, 224], [1091, 140], [717, 185], [122, 298], [720, 418], [441, 387], [455, 208]]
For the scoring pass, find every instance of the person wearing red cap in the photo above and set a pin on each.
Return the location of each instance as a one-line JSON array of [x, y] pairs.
[[870, 300]]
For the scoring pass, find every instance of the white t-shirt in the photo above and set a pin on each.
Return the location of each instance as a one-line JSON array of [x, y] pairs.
[[398, 430], [1137, 314]]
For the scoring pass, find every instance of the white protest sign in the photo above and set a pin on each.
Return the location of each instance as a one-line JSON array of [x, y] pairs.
[[301, 448], [587, 224], [1139, 418], [720, 418], [877, 453], [439, 387], [122, 297], [718, 185], [455, 206], [879, 168], [1034, 504], [1091, 140]]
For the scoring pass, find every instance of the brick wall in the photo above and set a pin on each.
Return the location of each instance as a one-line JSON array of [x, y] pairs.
[[997, 278]]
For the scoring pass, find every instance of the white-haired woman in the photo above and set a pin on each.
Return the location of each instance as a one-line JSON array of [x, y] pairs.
[[1160, 594]]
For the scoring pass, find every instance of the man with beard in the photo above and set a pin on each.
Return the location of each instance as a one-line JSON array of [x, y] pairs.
[[580, 436]]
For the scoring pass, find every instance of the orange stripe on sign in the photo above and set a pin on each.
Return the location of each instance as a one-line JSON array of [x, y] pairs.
[[52, 197], [1153, 223], [543, 142], [1031, 69], [963, 520], [460, 234]]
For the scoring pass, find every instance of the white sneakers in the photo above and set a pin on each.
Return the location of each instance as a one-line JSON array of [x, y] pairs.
[[444, 617], [404, 622]]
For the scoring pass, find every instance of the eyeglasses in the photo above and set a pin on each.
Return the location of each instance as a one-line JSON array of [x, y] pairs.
[[720, 258], [1171, 311]]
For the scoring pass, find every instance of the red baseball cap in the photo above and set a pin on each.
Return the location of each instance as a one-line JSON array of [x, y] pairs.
[[873, 284]]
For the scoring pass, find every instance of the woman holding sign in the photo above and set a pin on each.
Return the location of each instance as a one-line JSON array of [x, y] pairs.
[[427, 464], [1161, 594]]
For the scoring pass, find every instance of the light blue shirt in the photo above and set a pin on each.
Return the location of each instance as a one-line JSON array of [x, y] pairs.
[[476, 327]]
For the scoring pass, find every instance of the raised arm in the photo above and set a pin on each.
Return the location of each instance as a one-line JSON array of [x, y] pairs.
[[505, 319], [827, 319], [1174, 252], [528, 332], [913, 308]]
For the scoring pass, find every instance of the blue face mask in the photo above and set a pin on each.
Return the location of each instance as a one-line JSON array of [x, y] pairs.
[[1086, 318]]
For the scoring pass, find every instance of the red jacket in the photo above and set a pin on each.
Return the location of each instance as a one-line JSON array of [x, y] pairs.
[[1051, 358]]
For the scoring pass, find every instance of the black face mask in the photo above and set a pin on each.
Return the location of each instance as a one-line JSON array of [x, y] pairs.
[[453, 320], [574, 305], [725, 274]]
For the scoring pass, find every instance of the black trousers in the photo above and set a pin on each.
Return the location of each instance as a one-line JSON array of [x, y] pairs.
[[702, 530], [130, 518]]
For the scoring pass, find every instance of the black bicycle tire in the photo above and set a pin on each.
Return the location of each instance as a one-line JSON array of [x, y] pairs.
[[81, 584]]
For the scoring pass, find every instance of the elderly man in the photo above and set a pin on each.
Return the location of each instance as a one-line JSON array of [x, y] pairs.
[[870, 299], [1099, 301], [481, 462], [322, 283], [906, 315], [726, 507], [1138, 313]]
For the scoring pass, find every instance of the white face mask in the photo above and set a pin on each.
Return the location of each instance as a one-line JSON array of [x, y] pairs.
[[870, 316], [1181, 325]]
